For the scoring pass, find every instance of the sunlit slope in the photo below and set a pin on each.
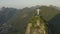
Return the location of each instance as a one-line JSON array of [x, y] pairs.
[[34, 28]]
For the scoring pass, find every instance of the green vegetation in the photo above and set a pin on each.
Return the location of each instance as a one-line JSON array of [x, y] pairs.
[[33, 22], [22, 17], [48, 12]]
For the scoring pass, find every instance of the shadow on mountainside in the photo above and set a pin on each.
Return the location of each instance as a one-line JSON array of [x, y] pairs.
[[54, 25]]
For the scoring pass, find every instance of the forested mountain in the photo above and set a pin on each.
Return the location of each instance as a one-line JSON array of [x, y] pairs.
[[6, 14], [15, 20]]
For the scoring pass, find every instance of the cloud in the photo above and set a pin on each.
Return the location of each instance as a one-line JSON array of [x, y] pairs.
[[24, 3]]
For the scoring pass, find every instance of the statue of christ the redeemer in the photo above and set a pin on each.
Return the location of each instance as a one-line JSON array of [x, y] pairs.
[[36, 25], [38, 10]]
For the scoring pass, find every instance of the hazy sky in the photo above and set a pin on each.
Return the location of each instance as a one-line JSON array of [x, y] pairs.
[[29, 3]]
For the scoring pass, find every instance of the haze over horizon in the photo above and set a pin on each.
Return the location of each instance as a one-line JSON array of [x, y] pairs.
[[27, 3]]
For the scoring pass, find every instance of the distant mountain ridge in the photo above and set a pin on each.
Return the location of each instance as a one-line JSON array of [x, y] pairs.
[[15, 20]]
